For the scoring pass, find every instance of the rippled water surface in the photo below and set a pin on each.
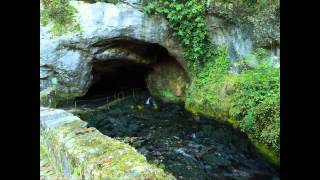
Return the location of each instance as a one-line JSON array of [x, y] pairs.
[[171, 138]]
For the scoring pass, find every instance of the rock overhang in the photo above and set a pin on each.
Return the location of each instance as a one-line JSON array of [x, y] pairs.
[[100, 23]]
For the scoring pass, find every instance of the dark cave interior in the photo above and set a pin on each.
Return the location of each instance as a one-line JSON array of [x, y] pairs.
[[115, 76], [111, 76]]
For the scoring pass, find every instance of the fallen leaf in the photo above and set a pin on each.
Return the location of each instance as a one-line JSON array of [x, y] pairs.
[[106, 161], [88, 129], [149, 179]]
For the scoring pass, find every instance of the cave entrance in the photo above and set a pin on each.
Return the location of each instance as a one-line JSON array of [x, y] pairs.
[[116, 76], [121, 65]]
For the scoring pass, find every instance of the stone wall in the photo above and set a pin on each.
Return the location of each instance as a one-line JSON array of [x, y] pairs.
[[78, 152]]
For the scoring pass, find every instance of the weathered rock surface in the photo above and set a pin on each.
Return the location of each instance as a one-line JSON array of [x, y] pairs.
[[69, 56], [242, 31], [168, 81], [77, 152], [262, 17], [47, 172], [123, 31]]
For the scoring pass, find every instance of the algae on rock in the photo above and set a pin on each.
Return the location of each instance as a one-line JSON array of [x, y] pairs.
[[79, 152]]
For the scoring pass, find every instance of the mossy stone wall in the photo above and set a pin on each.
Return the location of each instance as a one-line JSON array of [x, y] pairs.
[[78, 152]]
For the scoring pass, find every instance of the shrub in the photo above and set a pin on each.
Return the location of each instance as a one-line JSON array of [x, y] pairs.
[[61, 14], [250, 100], [187, 21], [256, 104]]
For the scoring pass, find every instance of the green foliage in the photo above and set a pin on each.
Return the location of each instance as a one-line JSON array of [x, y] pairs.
[[205, 93], [61, 14], [187, 21], [250, 100], [259, 5], [166, 93], [214, 71], [257, 57], [249, 11], [256, 103], [250, 2], [78, 170]]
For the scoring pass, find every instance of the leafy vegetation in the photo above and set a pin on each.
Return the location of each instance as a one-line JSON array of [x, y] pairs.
[[250, 100], [250, 61], [203, 89], [256, 103], [209, 93], [187, 21], [167, 95], [247, 7], [61, 14]]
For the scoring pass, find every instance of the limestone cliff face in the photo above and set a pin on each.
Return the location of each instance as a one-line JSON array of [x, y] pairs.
[[122, 31], [168, 80], [244, 28], [68, 57]]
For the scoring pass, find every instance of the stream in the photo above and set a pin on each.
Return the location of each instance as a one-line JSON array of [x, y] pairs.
[[187, 147]]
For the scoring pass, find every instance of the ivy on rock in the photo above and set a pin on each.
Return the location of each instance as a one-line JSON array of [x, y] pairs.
[[249, 100], [187, 20]]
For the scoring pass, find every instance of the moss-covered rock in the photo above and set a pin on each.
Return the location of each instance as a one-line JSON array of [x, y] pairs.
[[249, 101], [215, 100], [78, 152], [52, 97], [168, 81], [60, 15], [262, 15]]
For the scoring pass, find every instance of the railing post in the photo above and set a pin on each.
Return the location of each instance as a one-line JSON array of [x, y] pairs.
[[107, 102], [50, 101]]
